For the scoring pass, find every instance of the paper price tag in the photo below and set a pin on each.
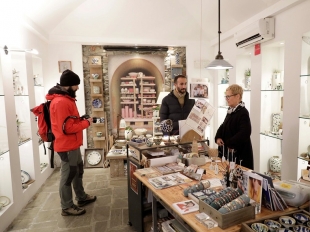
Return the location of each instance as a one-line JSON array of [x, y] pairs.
[[232, 165]]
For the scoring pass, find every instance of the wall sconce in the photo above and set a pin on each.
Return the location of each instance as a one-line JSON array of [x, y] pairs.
[[32, 51]]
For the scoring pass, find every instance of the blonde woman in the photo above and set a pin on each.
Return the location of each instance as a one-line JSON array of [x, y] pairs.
[[234, 133]]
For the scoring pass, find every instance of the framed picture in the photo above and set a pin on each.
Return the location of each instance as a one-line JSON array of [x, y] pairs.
[[93, 158], [199, 90], [64, 65]]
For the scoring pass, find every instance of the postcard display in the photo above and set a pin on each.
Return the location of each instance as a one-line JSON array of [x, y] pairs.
[[21, 88]]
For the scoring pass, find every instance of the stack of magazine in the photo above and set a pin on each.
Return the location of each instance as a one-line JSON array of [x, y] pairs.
[[169, 180]]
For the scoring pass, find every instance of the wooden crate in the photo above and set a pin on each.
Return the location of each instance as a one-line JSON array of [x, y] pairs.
[[246, 226], [229, 219]]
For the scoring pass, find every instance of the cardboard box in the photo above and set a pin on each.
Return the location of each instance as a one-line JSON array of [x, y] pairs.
[[229, 219], [159, 160], [197, 161]]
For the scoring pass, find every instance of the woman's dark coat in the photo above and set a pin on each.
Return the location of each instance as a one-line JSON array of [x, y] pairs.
[[235, 133]]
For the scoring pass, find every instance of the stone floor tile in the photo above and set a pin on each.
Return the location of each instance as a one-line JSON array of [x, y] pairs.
[[52, 202], [104, 201], [125, 217], [47, 229], [119, 182], [20, 225], [47, 215], [38, 200], [100, 226], [120, 192], [102, 213], [119, 203], [45, 225], [122, 229], [28, 213], [100, 192], [101, 177], [115, 218], [79, 229]]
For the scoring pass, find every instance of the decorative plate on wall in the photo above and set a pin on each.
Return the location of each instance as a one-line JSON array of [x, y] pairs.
[[93, 158], [97, 103], [25, 177], [4, 200]]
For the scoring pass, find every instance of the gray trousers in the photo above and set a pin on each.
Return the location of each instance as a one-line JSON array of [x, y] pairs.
[[71, 173]]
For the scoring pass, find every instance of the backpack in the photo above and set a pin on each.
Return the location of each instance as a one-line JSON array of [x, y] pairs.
[[42, 112]]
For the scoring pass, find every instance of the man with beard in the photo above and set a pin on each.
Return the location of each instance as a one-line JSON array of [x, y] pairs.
[[176, 105], [67, 126]]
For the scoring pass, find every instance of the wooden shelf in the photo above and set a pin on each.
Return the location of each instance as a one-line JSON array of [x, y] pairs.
[[128, 78], [97, 109], [98, 124], [96, 95], [95, 65], [95, 80], [99, 138]]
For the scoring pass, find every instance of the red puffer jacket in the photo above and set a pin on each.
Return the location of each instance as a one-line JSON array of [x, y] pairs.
[[61, 107]]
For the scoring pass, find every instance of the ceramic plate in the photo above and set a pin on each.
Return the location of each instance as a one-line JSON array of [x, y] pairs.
[[4, 200], [94, 158], [118, 151], [97, 103], [25, 176]]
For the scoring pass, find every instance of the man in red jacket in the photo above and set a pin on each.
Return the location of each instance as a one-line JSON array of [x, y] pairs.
[[67, 126]]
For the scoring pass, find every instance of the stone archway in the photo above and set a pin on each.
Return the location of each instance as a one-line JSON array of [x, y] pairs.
[[132, 65]]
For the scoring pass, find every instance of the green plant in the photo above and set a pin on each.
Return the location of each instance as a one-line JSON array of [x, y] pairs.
[[276, 71], [128, 128], [247, 72], [156, 108]]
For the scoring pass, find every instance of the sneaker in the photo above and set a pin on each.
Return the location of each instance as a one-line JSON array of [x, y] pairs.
[[88, 199], [73, 211]]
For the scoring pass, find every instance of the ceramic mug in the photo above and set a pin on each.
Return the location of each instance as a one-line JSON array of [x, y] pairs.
[[99, 134], [96, 89], [95, 75], [98, 120], [102, 120]]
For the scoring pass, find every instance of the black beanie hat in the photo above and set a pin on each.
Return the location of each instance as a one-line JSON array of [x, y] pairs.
[[69, 78]]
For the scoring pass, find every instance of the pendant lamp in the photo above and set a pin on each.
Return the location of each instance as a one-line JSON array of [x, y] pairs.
[[219, 62]]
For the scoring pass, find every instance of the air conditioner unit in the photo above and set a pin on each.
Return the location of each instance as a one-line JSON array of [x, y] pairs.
[[258, 32]]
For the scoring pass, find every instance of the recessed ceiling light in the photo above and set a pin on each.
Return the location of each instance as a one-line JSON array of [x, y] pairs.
[[97, 43], [281, 43]]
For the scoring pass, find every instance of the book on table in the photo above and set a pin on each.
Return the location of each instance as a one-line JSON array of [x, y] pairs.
[[169, 180], [184, 207], [144, 171]]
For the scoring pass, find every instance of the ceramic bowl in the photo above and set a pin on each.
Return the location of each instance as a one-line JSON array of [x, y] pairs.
[[301, 228], [157, 140], [284, 230], [301, 218], [287, 221], [259, 227], [120, 142], [308, 224], [1, 205], [272, 225], [133, 74], [148, 136], [140, 131]]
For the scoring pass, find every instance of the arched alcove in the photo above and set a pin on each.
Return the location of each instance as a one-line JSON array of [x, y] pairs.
[[132, 65]]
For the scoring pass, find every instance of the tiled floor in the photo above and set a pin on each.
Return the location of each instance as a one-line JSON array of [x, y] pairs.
[[108, 213]]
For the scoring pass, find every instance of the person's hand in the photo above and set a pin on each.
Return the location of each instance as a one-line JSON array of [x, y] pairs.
[[219, 142], [90, 120]]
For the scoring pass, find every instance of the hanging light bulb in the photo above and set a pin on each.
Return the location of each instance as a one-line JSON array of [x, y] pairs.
[[219, 62]]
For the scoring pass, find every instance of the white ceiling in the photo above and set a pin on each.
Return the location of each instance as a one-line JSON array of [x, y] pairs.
[[135, 18]]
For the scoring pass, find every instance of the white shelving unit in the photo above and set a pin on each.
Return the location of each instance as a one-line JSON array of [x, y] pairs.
[[25, 154]]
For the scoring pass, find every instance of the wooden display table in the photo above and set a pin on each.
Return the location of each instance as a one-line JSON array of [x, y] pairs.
[[174, 194]]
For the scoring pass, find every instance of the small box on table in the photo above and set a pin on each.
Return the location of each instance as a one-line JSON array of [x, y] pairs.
[[229, 219]]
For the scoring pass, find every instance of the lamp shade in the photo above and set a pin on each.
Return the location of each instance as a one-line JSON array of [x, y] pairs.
[[161, 97], [219, 63]]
